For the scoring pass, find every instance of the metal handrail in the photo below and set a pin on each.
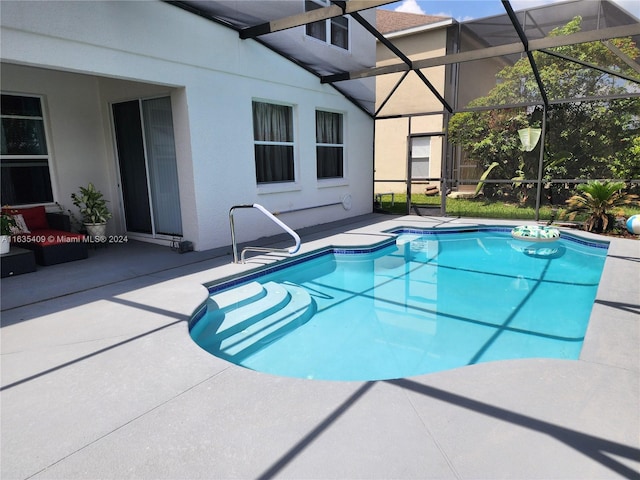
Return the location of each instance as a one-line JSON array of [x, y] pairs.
[[271, 216]]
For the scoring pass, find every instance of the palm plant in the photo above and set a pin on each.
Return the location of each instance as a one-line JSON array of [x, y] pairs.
[[601, 201]]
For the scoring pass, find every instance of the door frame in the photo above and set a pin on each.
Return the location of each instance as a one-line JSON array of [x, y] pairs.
[[152, 237]]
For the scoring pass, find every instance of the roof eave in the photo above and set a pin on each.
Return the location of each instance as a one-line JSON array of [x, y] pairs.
[[421, 28]]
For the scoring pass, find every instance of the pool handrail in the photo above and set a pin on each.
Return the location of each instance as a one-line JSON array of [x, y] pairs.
[[269, 215]]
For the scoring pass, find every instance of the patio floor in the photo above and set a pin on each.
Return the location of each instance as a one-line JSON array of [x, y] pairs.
[[100, 379]]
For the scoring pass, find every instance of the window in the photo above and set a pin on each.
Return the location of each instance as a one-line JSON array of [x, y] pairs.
[[420, 154], [24, 157], [334, 30], [273, 141], [329, 145]]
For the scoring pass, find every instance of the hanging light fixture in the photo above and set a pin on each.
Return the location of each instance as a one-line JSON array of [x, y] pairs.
[[529, 137]]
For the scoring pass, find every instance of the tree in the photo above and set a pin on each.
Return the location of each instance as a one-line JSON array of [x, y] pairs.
[[584, 139]]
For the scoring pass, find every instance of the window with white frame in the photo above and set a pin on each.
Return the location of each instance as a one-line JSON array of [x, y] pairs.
[[24, 156], [273, 142], [420, 155], [329, 144], [334, 30]]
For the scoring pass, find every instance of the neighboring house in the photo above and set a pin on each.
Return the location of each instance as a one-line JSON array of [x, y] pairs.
[[409, 137], [412, 112], [176, 119]]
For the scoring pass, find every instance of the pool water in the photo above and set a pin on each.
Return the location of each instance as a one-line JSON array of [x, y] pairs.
[[425, 302]]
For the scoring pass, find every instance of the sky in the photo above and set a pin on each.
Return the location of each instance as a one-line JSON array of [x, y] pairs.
[[463, 10]]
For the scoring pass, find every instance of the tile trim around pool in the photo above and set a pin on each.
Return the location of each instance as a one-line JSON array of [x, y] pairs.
[[436, 231], [234, 281]]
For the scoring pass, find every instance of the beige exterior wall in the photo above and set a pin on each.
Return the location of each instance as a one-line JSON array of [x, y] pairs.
[[391, 154], [411, 97], [477, 78]]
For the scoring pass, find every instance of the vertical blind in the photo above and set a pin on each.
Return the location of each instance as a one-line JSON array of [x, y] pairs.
[[163, 172]]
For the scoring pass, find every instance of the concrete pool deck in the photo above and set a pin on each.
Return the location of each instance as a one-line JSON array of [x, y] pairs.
[[100, 379]]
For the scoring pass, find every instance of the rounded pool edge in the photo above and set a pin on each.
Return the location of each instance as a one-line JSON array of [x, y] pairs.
[[230, 281]]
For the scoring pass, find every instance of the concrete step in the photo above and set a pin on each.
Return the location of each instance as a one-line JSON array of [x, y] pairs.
[[245, 319], [218, 304], [238, 296], [260, 332], [220, 323]]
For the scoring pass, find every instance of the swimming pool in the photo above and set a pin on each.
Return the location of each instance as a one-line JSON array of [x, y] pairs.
[[420, 302]]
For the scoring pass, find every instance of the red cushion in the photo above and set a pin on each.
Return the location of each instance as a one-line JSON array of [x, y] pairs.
[[34, 217], [48, 237]]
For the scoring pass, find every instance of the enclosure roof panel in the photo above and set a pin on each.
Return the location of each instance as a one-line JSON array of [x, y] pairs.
[[277, 24]]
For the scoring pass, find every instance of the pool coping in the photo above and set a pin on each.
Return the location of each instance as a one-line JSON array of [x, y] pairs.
[[234, 281], [137, 398], [219, 285]]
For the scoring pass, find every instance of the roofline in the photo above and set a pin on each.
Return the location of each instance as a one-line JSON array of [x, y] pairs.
[[422, 28]]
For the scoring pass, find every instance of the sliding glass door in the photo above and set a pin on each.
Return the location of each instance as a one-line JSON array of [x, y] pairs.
[[148, 171]]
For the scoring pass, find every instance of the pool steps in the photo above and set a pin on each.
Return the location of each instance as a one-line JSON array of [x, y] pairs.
[[274, 298], [236, 297], [233, 310], [243, 320]]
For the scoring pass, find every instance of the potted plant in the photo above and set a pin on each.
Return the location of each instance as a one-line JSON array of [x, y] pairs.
[[7, 222], [93, 209]]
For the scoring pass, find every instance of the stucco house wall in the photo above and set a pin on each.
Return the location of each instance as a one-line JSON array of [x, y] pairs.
[[83, 56]]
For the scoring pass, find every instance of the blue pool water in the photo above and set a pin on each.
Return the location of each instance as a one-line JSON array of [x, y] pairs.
[[421, 302]]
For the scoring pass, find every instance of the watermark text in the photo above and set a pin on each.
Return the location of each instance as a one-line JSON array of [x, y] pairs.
[[69, 239]]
